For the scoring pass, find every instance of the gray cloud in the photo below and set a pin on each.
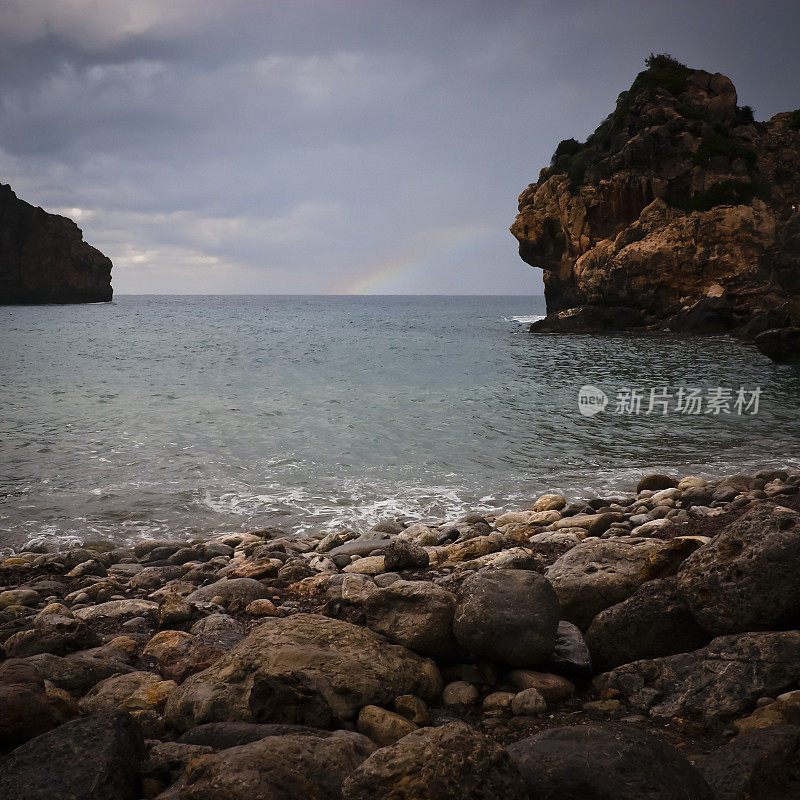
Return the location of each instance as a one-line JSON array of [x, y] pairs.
[[311, 146]]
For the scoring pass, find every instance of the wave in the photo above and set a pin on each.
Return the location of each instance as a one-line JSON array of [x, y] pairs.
[[524, 319]]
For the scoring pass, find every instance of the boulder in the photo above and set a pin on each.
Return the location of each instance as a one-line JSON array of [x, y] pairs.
[[95, 758], [78, 672], [222, 735], [415, 614], [718, 682], [298, 766], [764, 765], [383, 727], [305, 669], [118, 611], [655, 483], [597, 574], [134, 691], [236, 590], [571, 655], [605, 762], [24, 708], [745, 579], [652, 622], [553, 688], [528, 703], [451, 761], [507, 615], [404, 555], [780, 344]]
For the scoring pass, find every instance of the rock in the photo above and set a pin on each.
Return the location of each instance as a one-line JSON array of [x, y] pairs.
[[222, 735], [152, 578], [236, 590], [783, 711], [304, 669], [118, 611], [780, 344], [368, 565], [43, 258], [667, 561], [527, 518], [718, 682], [290, 767], [415, 614], [549, 502], [528, 703], [474, 548], [175, 654], [451, 761], [655, 483], [412, 708], [459, 696], [356, 589], [595, 524], [597, 574], [95, 758], [165, 764], [404, 555], [553, 688], [24, 707], [764, 765], [383, 727], [603, 762], [507, 615], [589, 318], [134, 691], [174, 610], [653, 622], [261, 608], [497, 703], [745, 579], [78, 672], [571, 654], [361, 547], [19, 597]]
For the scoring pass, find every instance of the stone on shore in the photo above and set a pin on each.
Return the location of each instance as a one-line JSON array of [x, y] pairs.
[[653, 622], [507, 615], [597, 574], [24, 708], [298, 766], [746, 579], [94, 758], [451, 761], [383, 727], [604, 762], [305, 669], [415, 614], [235, 590], [764, 765], [718, 682]]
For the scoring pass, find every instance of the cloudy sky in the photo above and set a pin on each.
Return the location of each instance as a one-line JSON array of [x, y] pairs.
[[335, 146]]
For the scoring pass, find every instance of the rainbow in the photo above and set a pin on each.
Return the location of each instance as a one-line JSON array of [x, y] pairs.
[[418, 255]]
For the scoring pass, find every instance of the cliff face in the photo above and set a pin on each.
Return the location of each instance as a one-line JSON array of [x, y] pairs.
[[43, 258], [679, 211]]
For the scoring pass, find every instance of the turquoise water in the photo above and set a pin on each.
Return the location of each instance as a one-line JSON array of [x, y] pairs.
[[185, 415]]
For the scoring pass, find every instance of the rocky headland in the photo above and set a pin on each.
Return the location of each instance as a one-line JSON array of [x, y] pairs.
[[43, 258], [680, 212], [642, 646]]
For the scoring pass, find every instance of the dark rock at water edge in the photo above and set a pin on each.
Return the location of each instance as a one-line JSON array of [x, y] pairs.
[[43, 258]]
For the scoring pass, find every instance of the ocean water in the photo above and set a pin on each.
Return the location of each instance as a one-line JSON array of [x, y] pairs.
[[183, 416]]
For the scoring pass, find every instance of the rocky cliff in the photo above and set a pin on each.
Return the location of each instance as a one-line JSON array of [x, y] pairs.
[[43, 258], [679, 211]]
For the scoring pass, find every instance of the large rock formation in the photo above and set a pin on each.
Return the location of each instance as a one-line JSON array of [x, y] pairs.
[[679, 211], [43, 258]]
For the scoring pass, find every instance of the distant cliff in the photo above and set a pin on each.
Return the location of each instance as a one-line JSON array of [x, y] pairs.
[[679, 211], [43, 258]]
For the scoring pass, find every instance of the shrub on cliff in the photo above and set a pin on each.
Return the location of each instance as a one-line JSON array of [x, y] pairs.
[[721, 143]]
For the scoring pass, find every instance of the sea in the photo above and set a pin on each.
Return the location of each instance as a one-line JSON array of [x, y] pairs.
[[182, 417]]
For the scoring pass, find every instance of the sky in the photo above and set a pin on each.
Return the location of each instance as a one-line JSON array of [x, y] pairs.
[[335, 146]]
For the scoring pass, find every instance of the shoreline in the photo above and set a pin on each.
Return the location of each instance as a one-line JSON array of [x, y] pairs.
[[521, 625]]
